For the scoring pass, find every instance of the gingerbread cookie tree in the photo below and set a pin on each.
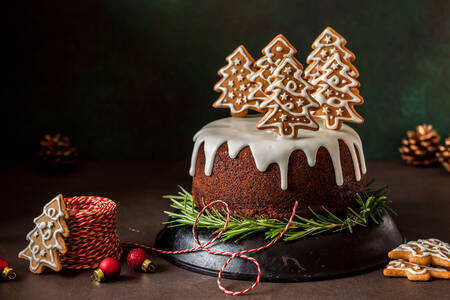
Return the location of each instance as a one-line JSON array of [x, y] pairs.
[[424, 251], [327, 44], [289, 102], [235, 84], [415, 272], [273, 54], [337, 93], [46, 240]]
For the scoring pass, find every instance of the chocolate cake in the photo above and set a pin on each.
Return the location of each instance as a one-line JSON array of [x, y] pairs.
[[261, 174]]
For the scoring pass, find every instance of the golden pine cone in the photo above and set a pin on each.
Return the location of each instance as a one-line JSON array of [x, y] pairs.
[[443, 154], [421, 146], [57, 153]]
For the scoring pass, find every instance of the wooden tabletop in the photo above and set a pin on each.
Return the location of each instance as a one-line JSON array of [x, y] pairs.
[[421, 196]]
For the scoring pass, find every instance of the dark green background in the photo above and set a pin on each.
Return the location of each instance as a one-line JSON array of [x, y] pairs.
[[133, 79]]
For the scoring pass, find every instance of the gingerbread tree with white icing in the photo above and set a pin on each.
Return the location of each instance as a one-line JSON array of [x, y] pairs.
[[337, 93], [273, 54], [326, 45], [289, 102], [46, 240], [235, 84]]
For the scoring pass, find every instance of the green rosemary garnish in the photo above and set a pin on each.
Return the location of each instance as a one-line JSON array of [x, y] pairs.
[[373, 205]]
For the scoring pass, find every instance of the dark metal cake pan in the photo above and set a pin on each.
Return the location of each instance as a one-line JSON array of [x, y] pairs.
[[317, 257]]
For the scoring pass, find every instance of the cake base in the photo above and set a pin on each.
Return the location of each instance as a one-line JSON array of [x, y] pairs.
[[323, 256]]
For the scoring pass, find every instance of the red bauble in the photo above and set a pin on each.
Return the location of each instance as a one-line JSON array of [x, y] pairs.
[[136, 258], [3, 264], [110, 267], [5, 271]]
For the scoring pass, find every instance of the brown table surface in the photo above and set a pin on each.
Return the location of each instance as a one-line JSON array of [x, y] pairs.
[[421, 196]]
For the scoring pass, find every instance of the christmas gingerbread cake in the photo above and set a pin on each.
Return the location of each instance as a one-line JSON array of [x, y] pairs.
[[298, 149]]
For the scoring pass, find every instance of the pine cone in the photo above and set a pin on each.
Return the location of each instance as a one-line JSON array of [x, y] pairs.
[[444, 154], [57, 153], [421, 146]]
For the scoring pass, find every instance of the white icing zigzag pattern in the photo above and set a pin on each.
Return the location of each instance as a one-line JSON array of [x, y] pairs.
[[426, 247], [274, 53], [268, 148], [45, 238], [289, 101], [336, 93], [327, 43], [403, 265]]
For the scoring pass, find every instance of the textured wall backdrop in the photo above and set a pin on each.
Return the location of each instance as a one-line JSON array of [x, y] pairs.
[[133, 79]]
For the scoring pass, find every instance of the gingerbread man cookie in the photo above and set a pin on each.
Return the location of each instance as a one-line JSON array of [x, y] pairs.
[[46, 240], [289, 102], [415, 272], [235, 84], [424, 252]]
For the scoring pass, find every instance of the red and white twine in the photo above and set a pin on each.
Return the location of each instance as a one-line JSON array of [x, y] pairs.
[[226, 253], [93, 232], [93, 237]]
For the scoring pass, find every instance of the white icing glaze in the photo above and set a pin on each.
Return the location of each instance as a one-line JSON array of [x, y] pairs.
[[426, 247], [33, 251], [267, 148], [403, 265]]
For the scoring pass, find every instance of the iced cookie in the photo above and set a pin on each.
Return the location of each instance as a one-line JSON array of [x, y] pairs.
[[415, 272], [235, 84], [289, 102], [424, 252], [46, 240]]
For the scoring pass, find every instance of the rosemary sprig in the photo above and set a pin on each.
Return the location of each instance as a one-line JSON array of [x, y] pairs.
[[373, 204]]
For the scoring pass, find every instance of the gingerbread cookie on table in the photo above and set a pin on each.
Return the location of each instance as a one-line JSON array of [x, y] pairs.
[[235, 84], [424, 252], [414, 272], [46, 240]]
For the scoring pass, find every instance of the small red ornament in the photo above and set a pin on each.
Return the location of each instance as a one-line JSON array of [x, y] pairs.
[[108, 268], [6, 272], [138, 259]]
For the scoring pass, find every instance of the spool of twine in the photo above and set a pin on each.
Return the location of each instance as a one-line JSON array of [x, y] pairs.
[[93, 232]]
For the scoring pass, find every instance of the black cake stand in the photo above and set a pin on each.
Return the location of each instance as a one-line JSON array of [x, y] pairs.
[[317, 257]]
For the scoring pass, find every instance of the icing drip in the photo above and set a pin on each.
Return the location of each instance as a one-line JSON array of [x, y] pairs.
[[267, 148]]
